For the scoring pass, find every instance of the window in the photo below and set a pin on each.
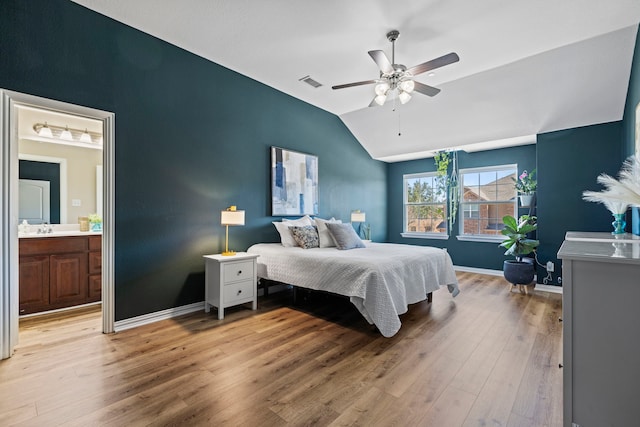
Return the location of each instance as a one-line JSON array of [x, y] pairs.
[[425, 201], [488, 194]]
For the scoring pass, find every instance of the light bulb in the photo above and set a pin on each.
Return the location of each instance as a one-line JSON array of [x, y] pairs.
[[85, 137], [407, 86], [380, 99], [66, 134], [382, 88], [404, 97], [45, 131]]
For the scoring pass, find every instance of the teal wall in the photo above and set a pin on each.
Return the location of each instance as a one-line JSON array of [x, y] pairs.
[[569, 162], [192, 138], [629, 120], [463, 253]]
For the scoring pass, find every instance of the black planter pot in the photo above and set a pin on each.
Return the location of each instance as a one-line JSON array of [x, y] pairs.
[[518, 272]]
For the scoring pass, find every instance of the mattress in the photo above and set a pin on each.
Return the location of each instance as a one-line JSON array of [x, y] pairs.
[[381, 280]]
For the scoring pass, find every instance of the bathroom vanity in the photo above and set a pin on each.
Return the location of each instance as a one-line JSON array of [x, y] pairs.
[[59, 270]]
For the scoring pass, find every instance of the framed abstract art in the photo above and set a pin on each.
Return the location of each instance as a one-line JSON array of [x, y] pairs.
[[294, 183]]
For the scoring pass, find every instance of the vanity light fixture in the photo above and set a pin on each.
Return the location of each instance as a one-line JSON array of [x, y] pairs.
[[85, 137], [44, 131], [65, 133], [230, 216]]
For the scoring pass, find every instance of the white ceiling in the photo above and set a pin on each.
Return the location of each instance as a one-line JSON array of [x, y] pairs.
[[526, 67]]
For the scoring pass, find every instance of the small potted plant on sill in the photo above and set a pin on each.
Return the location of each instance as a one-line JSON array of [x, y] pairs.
[[521, 270], [526, 186]]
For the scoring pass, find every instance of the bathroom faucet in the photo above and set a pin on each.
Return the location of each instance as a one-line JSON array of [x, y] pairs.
[[45, 229]]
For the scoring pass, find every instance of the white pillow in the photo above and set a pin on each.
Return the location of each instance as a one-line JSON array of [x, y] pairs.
[[311, 220], [326, 239], [286, 238]]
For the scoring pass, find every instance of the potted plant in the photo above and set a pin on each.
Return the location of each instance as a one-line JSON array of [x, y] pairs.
[[95, 220], [521, 270], [526, 185]]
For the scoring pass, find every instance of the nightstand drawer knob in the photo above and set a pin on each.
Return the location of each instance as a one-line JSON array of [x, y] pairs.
[[239, 291], [239, 272]]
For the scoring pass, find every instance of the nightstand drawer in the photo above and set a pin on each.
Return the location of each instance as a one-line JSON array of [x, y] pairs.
[[238, 291], [237, 271]]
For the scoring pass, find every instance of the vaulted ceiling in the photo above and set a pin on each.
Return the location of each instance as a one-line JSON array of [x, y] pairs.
[[526, 67]]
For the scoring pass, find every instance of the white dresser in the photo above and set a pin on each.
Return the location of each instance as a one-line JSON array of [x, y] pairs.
[[601, 329], [229, 281]]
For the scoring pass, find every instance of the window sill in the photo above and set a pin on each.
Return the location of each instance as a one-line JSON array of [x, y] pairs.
[[436, 236], [477, 238]]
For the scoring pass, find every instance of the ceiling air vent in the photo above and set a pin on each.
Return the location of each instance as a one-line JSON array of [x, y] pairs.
[[310, 81]]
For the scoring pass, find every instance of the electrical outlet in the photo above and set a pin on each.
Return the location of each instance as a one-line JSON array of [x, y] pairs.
[[76, 202], [550, 267]]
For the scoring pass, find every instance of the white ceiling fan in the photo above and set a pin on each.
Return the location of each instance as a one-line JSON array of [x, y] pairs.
[[397, 77]]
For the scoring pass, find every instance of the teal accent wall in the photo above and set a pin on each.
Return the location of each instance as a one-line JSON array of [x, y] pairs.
[[569, 162], [192, 138], [629, 120], [463, 253]]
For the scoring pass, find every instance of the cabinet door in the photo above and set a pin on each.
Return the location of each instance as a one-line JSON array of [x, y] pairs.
[[69, 280], [95, 262], [34, 283], [95, 287]]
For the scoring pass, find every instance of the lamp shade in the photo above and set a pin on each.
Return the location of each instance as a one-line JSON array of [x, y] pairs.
[[358, 216], [232, 217]]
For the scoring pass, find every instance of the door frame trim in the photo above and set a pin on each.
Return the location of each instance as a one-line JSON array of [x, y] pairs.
[[9, 301]]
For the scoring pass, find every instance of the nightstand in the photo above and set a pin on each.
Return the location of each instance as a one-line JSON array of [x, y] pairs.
[[229, 281]]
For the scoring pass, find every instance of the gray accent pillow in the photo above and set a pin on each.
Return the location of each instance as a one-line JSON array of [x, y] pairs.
[[345, 236], [306, 236]]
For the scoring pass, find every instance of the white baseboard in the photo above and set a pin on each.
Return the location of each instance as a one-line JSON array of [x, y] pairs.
[[539, 287], [145, 319], [477, 270], [134, 322], [59, 310]]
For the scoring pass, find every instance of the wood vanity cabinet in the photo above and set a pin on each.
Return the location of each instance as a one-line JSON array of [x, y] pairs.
[[58, 272], [95, 268]]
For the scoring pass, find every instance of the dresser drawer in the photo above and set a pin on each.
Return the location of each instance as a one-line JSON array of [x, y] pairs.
[[238, 291], [237, 271]]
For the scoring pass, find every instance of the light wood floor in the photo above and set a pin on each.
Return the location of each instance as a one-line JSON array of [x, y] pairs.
[[485, 358]]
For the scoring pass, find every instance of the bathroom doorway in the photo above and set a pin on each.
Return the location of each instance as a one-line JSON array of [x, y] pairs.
[[10, 132]]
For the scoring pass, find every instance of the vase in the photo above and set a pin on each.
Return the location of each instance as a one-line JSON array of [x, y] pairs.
[[619, 224], [526, 199]]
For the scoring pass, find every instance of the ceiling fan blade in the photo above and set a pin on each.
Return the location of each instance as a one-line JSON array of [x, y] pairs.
[[447, 59], [425, 89], [365, 82], [382, 61]]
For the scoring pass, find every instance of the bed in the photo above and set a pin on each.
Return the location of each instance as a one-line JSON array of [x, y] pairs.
[[381, 280]]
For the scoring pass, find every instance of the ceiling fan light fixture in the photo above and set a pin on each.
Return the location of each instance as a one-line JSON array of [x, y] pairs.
[[380, 99], [382, 88], [404, 97], [407, 86]]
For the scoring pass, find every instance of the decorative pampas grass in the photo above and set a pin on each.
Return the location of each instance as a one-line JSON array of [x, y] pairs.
[[610, 200], [619, 193]]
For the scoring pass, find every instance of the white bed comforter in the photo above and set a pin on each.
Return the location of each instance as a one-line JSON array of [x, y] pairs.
[[381, 279]]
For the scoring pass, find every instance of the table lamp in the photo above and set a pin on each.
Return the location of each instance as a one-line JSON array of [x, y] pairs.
[[357, 216], [228, 217]]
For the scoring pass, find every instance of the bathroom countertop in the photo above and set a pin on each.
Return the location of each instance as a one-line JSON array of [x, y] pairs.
[[62, 233]]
